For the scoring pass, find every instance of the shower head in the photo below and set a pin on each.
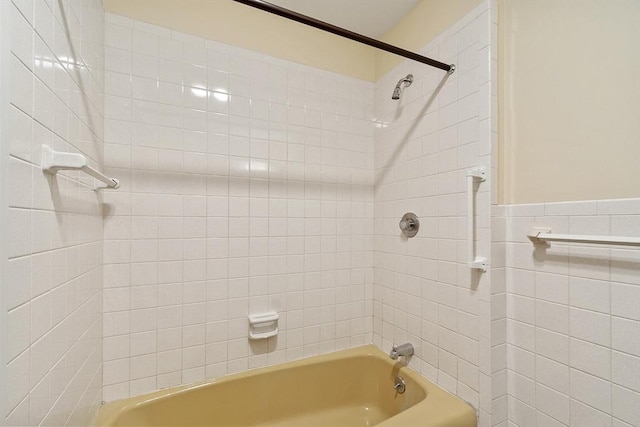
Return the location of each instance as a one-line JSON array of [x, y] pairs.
[[407, 81]]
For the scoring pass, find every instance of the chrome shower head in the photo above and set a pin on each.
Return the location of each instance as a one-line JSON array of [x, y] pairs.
[[396, 93], [407, 80]]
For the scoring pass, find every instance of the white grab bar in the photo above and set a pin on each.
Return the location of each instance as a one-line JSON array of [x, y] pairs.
[[54, 161], [474, 262], [542, 235]]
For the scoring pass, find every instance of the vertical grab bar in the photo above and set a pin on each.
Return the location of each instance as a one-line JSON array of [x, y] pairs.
[[474, 262]]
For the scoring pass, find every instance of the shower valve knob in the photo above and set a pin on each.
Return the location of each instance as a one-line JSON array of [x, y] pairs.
[[409, 224]]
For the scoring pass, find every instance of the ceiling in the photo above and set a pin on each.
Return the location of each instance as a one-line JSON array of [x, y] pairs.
[[371, 18]]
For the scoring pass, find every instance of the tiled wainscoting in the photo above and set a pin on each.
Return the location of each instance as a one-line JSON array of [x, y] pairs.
[[573, 311]]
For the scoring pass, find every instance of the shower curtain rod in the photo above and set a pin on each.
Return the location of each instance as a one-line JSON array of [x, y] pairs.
[[324, 26]]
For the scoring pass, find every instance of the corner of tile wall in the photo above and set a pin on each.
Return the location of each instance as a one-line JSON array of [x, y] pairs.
[[424, 292], [4, 160]]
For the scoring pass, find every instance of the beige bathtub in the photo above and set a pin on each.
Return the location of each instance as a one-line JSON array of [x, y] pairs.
[[346, 388]]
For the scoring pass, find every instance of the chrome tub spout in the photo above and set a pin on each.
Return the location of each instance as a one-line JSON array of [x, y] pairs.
[[401, 350]]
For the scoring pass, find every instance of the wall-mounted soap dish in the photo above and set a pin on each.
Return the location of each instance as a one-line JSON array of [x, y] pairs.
[[263, 325]]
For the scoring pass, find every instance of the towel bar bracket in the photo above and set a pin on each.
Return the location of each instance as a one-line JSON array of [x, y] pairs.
[[55, 161], [537, 231]]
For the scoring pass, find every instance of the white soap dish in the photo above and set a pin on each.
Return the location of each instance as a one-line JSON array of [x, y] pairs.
[[263, 325]]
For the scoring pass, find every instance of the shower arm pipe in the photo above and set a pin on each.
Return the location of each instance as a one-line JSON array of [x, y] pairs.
[[324, 26]]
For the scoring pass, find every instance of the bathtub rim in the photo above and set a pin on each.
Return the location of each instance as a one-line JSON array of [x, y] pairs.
[[456, 413]]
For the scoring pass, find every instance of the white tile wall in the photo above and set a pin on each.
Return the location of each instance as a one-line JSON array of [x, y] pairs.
[[573, 317], [250, 184], [424, 292], [498, 402], [247, 187], [4, 84], [53, 285]]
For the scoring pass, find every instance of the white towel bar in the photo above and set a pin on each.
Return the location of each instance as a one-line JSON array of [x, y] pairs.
[[54, 161], [542, 235], [474, 262]]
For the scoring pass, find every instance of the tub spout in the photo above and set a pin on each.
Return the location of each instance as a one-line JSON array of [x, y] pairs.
[[401, 350]]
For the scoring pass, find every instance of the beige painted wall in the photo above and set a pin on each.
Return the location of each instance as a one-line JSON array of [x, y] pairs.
[[570, 101], [243, 26], [426, 21], [239, 25]]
